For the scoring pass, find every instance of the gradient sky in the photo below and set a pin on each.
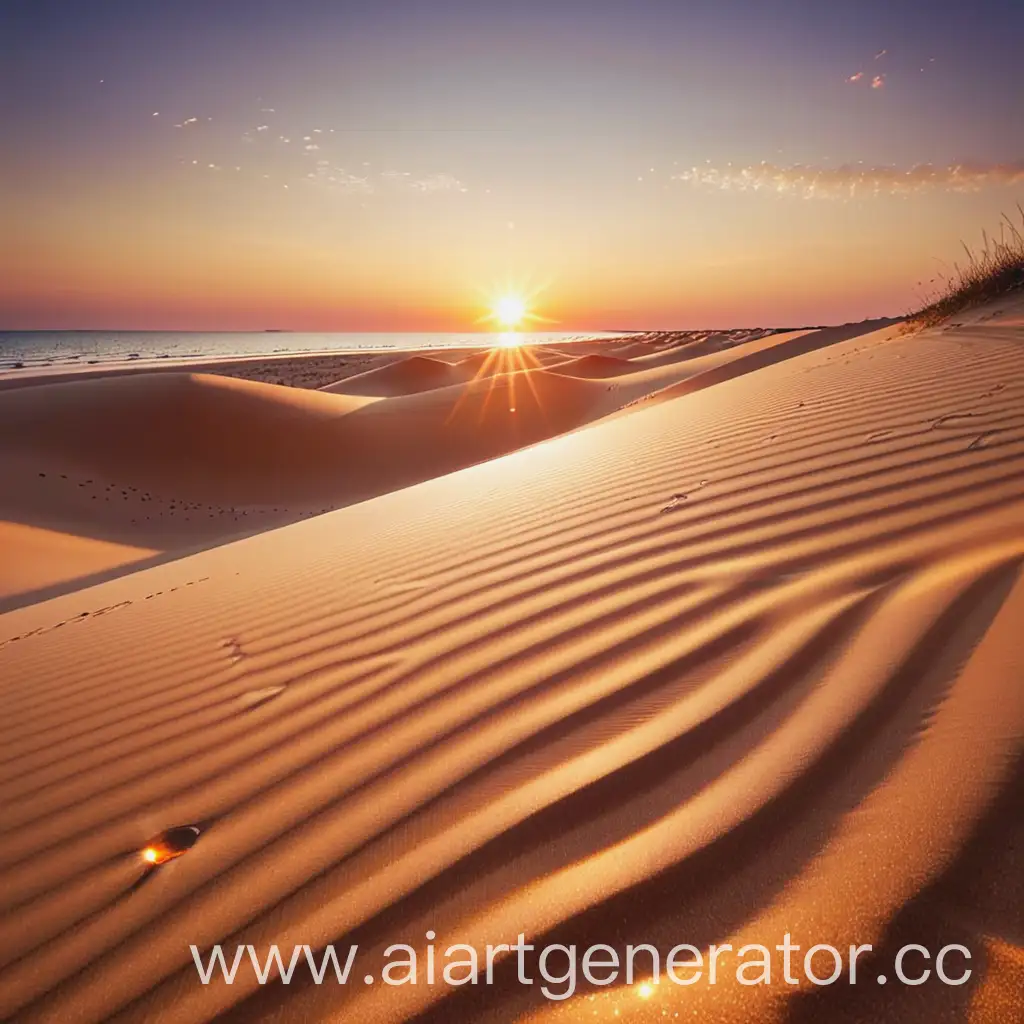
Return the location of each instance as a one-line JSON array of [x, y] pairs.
[[393, 165]]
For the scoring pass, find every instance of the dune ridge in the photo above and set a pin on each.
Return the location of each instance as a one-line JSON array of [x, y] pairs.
[[406, 376], [739, 662], [411, 375], [595, 367]]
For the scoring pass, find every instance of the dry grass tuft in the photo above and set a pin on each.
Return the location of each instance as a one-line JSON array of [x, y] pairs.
[[993, 271]]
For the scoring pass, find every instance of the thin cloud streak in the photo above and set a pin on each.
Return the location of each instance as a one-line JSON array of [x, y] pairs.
[[401, 181], [849, 181]]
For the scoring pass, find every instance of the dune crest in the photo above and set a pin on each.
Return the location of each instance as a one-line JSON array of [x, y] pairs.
[[406, 376], [595, 367]]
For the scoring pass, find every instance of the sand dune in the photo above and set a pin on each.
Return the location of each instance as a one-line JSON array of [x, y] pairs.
[[98, 473], [595, 367], [506, 360], [741, 662], [486, 364], [206, 438], [629, 350], [406, 376], [693, 368], [412, 375], [472, 365], [105, 472]]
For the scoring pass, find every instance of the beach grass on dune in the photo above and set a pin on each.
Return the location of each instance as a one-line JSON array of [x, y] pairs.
[[994, 270]]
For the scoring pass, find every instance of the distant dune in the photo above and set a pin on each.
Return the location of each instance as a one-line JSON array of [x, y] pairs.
[[595, 367], [411, 375], [505, 360], [406, 376]]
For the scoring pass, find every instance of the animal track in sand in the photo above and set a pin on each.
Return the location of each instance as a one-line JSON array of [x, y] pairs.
[[952, 417], [676, 500], [254, 698], [82, 616]]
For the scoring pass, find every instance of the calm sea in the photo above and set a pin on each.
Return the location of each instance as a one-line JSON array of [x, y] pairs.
[[34, 349]]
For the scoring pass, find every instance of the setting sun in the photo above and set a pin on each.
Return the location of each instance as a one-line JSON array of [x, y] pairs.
[[510, 311]]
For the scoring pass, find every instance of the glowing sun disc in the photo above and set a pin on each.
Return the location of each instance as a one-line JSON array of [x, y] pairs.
[[510, 310]]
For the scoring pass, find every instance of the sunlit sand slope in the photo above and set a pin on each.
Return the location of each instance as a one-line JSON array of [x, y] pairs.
[[740, 663], [98, 473], [35, 558]]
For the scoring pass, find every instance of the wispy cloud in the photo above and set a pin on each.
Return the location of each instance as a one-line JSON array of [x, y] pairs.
[[856, 180], [386, 181], [306, 153], [337, 178], [438, 183]]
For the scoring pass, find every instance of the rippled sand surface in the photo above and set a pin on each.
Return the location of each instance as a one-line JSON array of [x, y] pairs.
[[741, 661]]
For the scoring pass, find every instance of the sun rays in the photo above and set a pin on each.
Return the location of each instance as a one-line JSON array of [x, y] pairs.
[[507, 368], [511, 307], [503, 368]]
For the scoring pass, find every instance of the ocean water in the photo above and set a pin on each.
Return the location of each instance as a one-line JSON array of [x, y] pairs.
[[35, 349]]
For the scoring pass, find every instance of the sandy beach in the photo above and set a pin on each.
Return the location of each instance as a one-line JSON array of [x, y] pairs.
[[672, 638]]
